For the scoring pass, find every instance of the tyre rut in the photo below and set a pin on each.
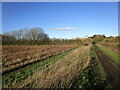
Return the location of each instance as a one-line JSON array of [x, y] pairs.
[[110, 68]]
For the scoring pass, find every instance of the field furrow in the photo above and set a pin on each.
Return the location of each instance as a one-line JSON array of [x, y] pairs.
[[61, 74], [18, 75], [30, 54]]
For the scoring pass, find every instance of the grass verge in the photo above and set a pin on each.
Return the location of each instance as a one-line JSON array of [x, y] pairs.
[[109, 53]]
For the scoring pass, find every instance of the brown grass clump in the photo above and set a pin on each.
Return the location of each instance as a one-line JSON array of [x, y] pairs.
[[62, 73]]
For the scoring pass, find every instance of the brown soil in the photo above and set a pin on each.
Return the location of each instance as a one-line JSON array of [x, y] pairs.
[[17, 56]]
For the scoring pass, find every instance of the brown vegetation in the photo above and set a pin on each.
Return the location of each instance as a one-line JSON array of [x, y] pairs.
[[14, 56], [111, 46], [62, 73]]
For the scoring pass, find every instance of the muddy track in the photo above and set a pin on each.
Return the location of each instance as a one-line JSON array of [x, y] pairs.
[[111, 69]]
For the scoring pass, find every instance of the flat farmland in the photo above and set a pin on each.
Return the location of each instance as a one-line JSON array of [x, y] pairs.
[[15, 56], [60, 74], [60, 66]]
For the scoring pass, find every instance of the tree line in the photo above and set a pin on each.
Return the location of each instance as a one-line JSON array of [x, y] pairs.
[[34, 36], [26, 33], [37, 36], [24, 36]]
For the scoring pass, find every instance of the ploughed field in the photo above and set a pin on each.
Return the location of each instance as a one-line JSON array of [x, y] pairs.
[[16, 56], [61, 66], [60, 74], [44, 66]]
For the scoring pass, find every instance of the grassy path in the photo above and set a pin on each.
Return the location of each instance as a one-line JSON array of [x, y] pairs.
[[17, 76], [93, 77], [111, 68], [114, 57]]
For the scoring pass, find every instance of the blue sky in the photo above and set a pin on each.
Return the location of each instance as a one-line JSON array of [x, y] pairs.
[[88, 17]]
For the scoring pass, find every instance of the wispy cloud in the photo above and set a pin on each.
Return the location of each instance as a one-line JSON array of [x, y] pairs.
[[63, 28]]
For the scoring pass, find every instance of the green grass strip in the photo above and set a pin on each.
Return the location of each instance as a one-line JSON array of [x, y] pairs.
[[109, 53], [93, 76], [18, 76]]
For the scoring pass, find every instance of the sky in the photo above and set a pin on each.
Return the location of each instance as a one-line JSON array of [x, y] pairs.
[[62, 19]]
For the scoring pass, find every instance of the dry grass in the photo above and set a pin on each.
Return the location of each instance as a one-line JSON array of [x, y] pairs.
[[111, 46], [14, 56], [62, 73]]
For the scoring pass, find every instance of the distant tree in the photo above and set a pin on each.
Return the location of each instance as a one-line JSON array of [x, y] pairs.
[[8, 36], [104, 36], [98, 37], [42, 36], [20, 34], [25, 35], [35, 32]]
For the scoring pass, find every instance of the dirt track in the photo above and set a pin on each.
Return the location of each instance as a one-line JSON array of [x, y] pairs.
[[111, 69]]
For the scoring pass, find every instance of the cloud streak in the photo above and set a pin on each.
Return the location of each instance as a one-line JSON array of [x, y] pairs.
[[64, 28]]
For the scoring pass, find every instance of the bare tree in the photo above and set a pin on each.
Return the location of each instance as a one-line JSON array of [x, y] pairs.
[[35, 32], [42, 36], [25, 34]]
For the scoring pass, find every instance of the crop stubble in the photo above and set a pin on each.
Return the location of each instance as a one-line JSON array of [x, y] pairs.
[[15, 56], [62, 73]]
